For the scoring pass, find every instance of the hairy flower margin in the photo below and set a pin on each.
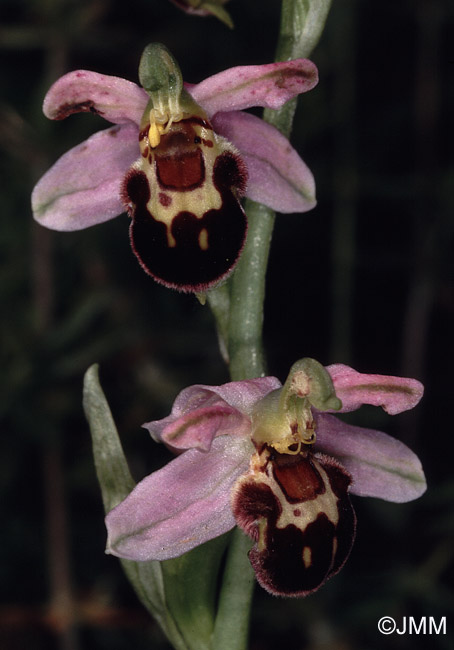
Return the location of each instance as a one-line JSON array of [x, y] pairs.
[[199, 495], [84, 187]]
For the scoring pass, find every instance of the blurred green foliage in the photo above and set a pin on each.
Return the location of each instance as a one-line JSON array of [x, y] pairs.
[[366, 278]]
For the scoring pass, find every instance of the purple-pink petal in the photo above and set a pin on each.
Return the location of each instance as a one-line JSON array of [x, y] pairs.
[[182, 505], [269, 85], [83, 187], [380, 465], [393, 394], [231, 405], [244, 394], [116, 100], [277, 175], [198, 428]]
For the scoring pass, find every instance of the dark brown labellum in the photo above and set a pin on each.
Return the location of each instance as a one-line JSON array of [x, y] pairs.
[[297, 510], [188, 227]]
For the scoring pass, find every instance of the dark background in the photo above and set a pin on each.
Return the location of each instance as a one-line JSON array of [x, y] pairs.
[[365, 278]]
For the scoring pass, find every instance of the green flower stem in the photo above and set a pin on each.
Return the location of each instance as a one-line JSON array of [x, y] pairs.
[[231, 629], [248, 294], [302, 23]]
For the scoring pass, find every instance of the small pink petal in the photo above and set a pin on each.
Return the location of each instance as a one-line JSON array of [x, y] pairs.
[[228, 405], [117, 100], [268, 85], [244, 394], [393, 394], [83, 187], [277, 175], [380, 465], [199, 427], [182, 505]]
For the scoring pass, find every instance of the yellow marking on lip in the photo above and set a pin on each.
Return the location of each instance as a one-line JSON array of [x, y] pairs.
[[171, 241], [203, 239], [307, 557]]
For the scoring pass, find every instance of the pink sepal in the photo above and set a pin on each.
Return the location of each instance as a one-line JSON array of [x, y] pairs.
[[269, 85], [277, 175], [82, 188], [182, 505], [117, 100], [380, 465], [393, 394]]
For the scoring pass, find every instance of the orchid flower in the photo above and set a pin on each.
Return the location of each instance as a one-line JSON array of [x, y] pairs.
[[245, 456], [178, 160]]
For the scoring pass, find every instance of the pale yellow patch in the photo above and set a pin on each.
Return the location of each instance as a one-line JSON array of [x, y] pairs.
[[171, 241], [283, 446], [203, 239], [196, 201], [307, 557]]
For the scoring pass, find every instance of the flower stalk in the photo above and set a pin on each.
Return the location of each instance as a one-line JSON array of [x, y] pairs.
[[301, 26]]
